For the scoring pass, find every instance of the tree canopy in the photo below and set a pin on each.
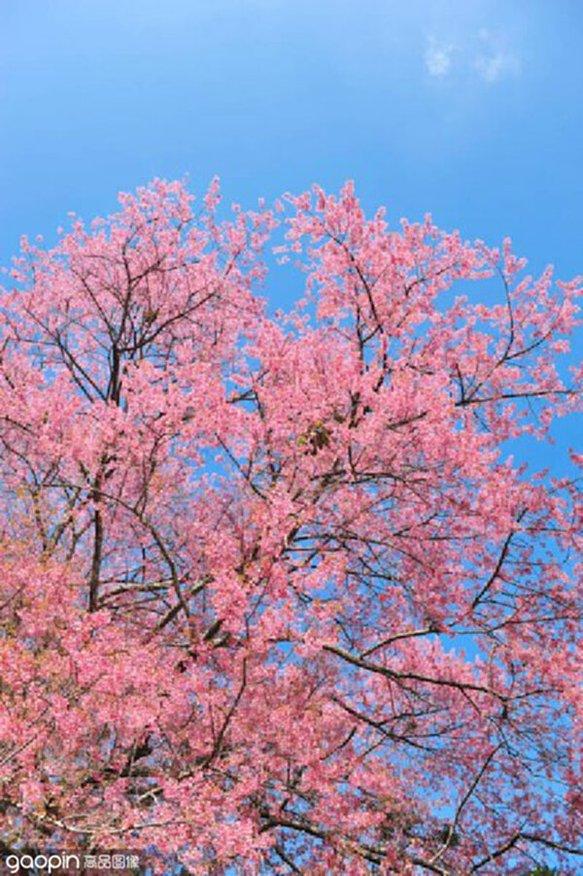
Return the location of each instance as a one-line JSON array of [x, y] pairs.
[[274, 594]]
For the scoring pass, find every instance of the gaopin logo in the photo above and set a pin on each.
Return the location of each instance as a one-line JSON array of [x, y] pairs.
[[42, 863]]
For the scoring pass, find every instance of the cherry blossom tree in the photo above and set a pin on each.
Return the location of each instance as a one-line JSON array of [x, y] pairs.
[[275, 597]]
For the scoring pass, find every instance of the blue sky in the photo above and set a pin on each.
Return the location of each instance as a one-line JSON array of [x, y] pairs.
[[470, 109]]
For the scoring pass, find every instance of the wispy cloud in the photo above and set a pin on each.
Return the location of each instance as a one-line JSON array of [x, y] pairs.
[[484, 53], [438, 58], [494, 60]]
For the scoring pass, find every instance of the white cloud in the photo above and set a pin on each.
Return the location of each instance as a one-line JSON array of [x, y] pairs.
[[491, 68], [494, 61], [484, 52], [438, 58]]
